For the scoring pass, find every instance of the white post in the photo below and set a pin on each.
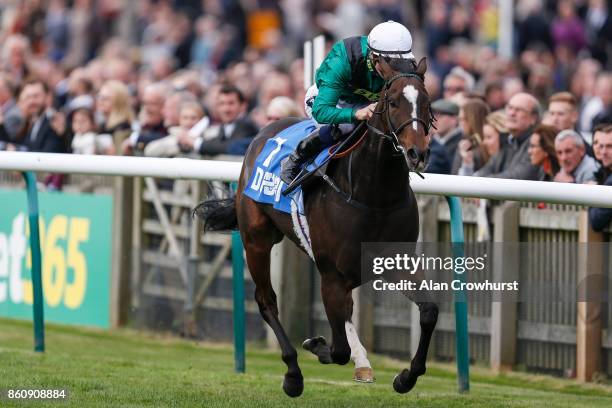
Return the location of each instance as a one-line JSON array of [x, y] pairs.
[[307, 64], [318, 53], [505, 28]]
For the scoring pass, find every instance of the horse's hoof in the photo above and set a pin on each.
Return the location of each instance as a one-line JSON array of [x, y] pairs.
[[318, 346], [403, 387], [293, 385], [364, 375]]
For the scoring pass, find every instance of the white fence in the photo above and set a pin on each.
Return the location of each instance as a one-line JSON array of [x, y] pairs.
[[180, 168]]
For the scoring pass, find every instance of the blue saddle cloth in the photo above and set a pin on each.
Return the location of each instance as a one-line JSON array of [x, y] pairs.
[[265, 185]]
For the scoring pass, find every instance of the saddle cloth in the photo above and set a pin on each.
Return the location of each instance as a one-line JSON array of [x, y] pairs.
[[265, 185]]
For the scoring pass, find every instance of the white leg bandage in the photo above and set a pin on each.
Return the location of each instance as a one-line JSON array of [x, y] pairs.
[[358, 352]]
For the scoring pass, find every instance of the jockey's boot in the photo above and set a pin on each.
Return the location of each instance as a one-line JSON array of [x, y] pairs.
[[304, 151]]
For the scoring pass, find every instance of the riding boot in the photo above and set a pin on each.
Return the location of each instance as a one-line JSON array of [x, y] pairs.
[[305, 151]]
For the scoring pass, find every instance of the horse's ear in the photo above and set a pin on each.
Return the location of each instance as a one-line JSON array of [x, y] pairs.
[[422, 66]]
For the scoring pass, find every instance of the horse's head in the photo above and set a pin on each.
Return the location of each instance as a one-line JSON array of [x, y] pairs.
[[404, 116]]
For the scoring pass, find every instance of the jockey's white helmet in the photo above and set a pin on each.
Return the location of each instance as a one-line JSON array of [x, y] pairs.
[[391, 39]]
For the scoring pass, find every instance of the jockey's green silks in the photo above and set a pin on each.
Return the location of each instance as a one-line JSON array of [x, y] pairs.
[[345, 74]]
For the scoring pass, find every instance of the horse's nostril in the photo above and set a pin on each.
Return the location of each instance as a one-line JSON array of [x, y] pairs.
[[413, 155]]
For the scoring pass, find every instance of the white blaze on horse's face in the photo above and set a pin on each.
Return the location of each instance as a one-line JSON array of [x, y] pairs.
[[412, 94]]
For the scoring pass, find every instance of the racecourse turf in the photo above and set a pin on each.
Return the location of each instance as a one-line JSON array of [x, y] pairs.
[[127, 368]]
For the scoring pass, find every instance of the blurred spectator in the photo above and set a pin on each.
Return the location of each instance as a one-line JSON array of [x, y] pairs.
[[599, 29], [82, 33], [57, 30], [458, 80], [190, 113], [493, 132], [562, 110], [11, 120], [15, 57], [603, 92], [576, 165], [448, 133], [600, 217], [494, 95], [567, 29], [85, 140], [542, 152], [471, 153], [532, 28], [151, 119], [281, 107], [512, 161], [439, 162], [173, 104], [493, 136], [234, 127], [44, 128], [512, 86], [583, 86], [115, 112], [598, 133]]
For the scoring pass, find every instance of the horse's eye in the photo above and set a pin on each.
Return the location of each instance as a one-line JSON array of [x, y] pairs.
[[393, 104]]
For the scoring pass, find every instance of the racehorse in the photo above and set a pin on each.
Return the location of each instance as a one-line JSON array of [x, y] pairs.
[[367, 198]]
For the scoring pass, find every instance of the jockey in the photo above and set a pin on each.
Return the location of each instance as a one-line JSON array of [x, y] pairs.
[[346, 88]]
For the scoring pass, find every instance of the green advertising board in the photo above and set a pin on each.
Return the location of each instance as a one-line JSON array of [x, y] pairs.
[[75, 241]]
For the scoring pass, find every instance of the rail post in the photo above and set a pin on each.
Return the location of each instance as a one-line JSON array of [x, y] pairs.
[[39, 322], [239, 308], [461, 313]]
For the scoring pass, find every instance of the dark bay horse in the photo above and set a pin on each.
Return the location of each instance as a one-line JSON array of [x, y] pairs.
[[369, 200]]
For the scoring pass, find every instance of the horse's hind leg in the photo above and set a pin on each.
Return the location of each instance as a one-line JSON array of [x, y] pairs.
[[359, 355], [258, 260], [406, 380], [335, 292]]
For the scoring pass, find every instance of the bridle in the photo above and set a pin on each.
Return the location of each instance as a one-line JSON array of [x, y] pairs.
[[393, 132]]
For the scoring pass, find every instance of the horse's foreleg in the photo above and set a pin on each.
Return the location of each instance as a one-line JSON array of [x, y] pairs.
[[258, 260], [359, 355], [406, 380]]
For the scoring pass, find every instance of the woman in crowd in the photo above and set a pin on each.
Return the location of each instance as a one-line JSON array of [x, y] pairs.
[[494, 132], [542, 151], [471, 152], [116, 115]]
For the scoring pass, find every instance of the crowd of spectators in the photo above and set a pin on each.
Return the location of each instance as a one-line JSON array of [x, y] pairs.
[[200, 77]]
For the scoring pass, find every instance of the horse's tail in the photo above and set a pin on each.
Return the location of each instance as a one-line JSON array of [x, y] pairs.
[[218, 215]]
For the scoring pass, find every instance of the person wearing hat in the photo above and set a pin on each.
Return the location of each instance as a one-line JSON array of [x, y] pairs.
[[347, 85], [448, 132]]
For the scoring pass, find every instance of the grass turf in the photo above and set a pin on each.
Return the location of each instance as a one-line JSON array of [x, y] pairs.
[[126, 368]]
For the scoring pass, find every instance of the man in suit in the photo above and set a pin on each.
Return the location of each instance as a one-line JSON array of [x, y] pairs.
[[151, 119], [600, 217], [233, 129], [512, 161], [448, 133], [44, 128]]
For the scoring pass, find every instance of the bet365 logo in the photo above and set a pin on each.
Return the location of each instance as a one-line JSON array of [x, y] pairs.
[[64, 266]]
